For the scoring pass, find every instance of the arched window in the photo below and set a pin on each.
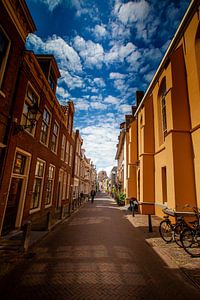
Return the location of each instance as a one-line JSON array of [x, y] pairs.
[[162, 113]]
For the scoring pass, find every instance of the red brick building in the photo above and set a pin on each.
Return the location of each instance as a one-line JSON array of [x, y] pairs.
[[40, 152], [15, 24], [36, 169]]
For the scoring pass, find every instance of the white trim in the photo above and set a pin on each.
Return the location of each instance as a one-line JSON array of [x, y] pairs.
[[33, 210], [52, 133], [53, 180], [26, 99], [49, 127], [25, 177]]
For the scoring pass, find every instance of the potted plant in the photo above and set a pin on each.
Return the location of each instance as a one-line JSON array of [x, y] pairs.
[[121, 199]]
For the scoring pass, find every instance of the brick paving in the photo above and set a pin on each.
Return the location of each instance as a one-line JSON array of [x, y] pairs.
[[101, 252]]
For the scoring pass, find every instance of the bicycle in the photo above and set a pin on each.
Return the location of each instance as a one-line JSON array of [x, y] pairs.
[[190, 237], [171, 232]]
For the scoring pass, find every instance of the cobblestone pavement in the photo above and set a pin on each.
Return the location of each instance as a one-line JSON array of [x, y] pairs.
[[101, 252]]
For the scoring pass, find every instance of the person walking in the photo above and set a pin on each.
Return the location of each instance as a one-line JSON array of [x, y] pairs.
[[93, 193]]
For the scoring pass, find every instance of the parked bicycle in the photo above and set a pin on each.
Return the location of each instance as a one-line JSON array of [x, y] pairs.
[[190, 237], [172, 231]]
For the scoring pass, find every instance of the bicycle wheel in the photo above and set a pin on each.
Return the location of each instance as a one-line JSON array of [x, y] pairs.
[[190, 240], [165, 230], [178, 228]]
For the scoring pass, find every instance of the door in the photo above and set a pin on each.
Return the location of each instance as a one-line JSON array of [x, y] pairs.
[[12, 204]]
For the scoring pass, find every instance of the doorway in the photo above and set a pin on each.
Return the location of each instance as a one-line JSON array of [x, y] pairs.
[[17, 192]]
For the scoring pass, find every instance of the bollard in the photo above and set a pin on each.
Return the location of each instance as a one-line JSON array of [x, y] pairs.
[[27, 236], [133, 210], [150, 223], [62, 212], [49, 220]]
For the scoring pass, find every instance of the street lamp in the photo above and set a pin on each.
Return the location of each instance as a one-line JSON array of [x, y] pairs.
[[33, 115]]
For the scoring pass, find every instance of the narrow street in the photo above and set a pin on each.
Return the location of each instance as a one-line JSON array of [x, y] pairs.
[[96, 254]]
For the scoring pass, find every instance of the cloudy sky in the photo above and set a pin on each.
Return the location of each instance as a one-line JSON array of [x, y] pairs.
[[105, 50]]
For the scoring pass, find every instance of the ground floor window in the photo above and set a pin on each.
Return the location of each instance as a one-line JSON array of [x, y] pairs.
[[50, 185], [38, 184]]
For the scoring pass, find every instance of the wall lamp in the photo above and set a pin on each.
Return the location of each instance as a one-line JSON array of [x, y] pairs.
[[33, 115]]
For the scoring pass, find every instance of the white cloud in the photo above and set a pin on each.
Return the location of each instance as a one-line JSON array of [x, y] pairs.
[[72, 81], [57, 46], [100, 144], [110, 115], [149, 76], [114, 75], [132, 11], [119, 31], [112, 100], [99, 82], [62, 93], [91, 53], [119, 52], [100, 31], [98, 105], [52, 3], [81, 104], [124, 108]]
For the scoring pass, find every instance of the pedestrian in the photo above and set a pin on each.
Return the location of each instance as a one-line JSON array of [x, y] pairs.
[[93, 193]]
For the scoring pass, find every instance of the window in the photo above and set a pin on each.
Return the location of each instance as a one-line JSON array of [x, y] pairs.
[[20, 162], [31, 99], [164, 184], [38, 184], [62, 156], [67, 153], [68, 186], [163, 108], [4, 50], [162, 111], [70, 156], [50, 185], [54, 139], [45, 127], [70, 124], [64, 186]]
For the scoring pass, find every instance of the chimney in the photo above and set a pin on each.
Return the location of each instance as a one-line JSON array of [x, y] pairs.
[[139, 96]]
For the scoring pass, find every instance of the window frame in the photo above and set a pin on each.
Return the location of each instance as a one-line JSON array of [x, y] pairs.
[[29, 102], [52, 180], [63, 147], [48, 126], [5, 57], [56, 137], [34, 209]]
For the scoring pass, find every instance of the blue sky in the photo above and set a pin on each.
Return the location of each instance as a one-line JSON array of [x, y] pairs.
[[106, 50]]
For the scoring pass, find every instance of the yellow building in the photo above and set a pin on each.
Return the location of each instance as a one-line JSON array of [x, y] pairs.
[[168, 125]]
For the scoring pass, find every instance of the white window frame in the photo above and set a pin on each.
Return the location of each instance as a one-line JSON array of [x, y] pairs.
[[25, 177], [52, 179], [32, 210], [48, 126], [63, 146], [27, 100], [67, 152], [56, 135]]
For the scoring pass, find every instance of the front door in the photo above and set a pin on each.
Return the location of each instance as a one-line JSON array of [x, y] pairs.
[[17, 192], [12, 204]]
